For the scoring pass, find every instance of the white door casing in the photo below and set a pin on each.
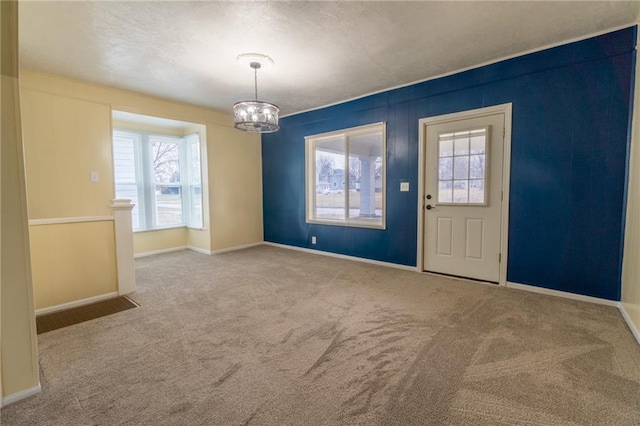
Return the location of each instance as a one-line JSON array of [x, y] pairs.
[[464, 173]]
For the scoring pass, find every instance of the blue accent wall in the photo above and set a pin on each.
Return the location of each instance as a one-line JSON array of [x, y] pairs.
[[570, 134]]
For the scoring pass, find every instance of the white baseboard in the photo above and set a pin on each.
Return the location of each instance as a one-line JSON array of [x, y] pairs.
[[167, 250], [196, 249], [199, 250], [563, 294], [632, 326], [244, 246], [15, 397], [344, 256], [76, 303]]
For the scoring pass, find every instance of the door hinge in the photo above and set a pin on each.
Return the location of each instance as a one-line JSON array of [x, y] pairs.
[[504, 132], [501, 195], [499, 257]]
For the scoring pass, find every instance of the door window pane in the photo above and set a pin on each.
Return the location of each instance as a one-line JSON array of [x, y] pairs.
[[462, 167], [461, 145], [478, 144], [476, 191], [445, 171], [445, 191], [476, 166], [446, 147], [460, 191]]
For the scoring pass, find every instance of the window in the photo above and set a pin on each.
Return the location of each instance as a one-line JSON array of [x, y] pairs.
[[161, 175], [345, 176], [462, 167]]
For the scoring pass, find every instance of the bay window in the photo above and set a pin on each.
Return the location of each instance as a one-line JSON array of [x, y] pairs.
[[161, 175]]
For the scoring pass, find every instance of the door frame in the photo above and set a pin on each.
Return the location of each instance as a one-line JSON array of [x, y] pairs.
[[505, 109]]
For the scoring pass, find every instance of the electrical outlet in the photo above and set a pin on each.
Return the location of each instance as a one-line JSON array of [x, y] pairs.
[[95, 177], [313, 239], [404, 186]]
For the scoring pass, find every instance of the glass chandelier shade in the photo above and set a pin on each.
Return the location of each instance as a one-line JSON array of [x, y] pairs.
[[256, 116]]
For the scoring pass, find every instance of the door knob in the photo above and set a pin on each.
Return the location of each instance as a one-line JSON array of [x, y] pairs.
[[429, 206]]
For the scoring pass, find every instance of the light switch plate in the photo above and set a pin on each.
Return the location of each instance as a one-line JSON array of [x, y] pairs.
[[95, 177], [404, 186]]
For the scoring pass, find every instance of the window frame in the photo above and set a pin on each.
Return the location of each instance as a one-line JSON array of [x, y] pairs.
[[146, 183], [310, 176]]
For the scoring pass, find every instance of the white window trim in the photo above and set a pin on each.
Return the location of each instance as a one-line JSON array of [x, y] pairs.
[[310, 178]]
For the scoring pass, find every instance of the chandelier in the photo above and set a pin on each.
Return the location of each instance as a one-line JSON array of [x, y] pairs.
[[256, 116]]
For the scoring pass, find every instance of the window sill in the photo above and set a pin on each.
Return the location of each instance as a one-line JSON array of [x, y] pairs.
[[159, 229], [349, 224]]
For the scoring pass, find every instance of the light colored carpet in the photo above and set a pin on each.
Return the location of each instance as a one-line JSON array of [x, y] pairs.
[[267, 336]]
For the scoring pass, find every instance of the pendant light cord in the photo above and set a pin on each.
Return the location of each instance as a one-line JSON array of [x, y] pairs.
[[255, 79]]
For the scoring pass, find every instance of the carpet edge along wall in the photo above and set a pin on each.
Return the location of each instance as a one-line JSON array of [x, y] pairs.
[[571, 110]]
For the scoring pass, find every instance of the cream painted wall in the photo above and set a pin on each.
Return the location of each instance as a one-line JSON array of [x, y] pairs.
[[65, 140], [150, 241], [72, 261], [199, 239], [147, 128], [18, 347], [69, 121], [631, 262], [235, 179]]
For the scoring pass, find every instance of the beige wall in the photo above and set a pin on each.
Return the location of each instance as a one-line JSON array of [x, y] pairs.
[[631, 262], [18, 354], [65, 140], [234, 157], [68, 135], [148, 128], [72, 261], [152, 241]]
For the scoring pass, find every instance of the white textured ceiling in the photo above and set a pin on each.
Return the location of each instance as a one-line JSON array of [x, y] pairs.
[[324, 52]]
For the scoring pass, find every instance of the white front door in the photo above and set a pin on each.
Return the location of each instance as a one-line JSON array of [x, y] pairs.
[[463, 197]]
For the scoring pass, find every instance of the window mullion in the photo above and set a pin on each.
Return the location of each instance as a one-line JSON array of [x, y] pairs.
[[312, 156], [346, 178], [185, 178], [149, 183], [143, 206]]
